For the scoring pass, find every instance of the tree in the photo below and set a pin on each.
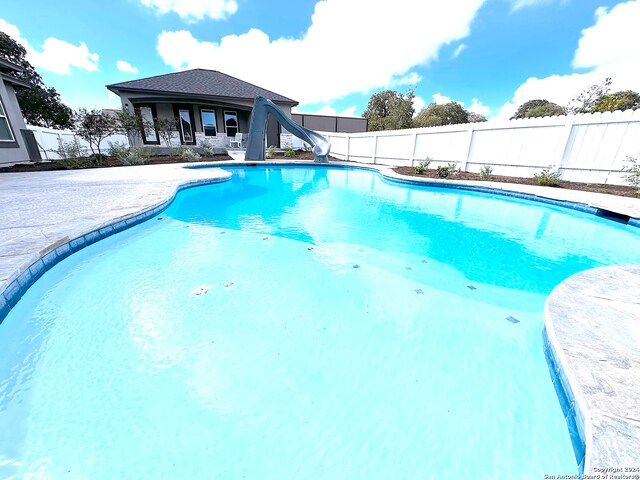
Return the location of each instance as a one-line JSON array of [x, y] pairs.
[[129, 124], [166, 127], [589, 97], [476, 117], [435, 114], [538, 108], [40, 105], [623, 100], [94, 126], [389, 110], [549, 109]]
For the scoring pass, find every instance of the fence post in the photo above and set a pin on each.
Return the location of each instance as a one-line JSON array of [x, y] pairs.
[[465, 159], [563, 151], [375, 146], [348, 145], [413, 150]]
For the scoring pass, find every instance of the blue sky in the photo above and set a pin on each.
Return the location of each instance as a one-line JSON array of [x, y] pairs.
[[331, 55]]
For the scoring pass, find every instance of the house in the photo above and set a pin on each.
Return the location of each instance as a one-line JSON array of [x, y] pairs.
[[13, 131], [208, 104]]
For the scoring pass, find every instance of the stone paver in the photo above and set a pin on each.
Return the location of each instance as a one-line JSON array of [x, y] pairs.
[[39, 210], [593, 323]]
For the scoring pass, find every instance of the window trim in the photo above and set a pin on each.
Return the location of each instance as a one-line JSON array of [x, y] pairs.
[[12, 142], [176, 111], [215, 121], [235, 112], [154, 115]]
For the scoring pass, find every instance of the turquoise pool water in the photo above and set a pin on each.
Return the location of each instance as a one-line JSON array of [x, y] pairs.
[[301, 322]]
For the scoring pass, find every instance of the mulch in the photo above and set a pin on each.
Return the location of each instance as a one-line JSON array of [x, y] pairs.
[[620, 190]]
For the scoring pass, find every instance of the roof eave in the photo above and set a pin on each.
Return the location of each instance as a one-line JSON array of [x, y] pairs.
[[117, 90], [15, 81]]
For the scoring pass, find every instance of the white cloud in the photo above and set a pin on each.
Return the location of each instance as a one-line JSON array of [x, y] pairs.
[[56, 55], [608, 40], [339, 48], [615, 57], [418, 104], [126, 67], [518, 4], [442, 99], [329, 110], [192, 10], [477, 107], [412, 78], [459, 49]]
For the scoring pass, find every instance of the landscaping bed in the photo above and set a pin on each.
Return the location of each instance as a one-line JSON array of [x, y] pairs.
[[621, 190], [106, 162]]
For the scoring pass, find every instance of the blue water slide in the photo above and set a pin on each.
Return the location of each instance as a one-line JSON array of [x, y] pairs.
[[258, 128]]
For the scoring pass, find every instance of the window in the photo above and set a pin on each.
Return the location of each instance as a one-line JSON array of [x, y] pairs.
[[148, 127], [6, 135], [185, 126], [208, 123], [231, 123]]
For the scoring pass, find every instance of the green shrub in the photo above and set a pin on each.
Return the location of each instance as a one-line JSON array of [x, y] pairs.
[[70, 149], [547, 178], [423, 166], [206, 147], [134, 156], [188, 154], [117, 149], [485, 172], [443, 172], [633, 177], [625, 100], [289, 153], [271, 151], [546, 110]]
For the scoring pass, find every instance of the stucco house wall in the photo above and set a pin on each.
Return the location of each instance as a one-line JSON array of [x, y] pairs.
[[195, 91], [11, 151]]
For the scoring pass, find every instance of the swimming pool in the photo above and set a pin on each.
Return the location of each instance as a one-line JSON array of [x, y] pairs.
[[301, 322]]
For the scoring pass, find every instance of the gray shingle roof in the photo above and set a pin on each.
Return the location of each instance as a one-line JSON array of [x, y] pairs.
[[201, 82]]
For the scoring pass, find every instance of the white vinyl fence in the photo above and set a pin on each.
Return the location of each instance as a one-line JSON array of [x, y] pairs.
[[49, 141], [582, 148]]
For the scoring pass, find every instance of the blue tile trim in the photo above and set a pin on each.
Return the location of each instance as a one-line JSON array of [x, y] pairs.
[[18, 287], [570, 409]]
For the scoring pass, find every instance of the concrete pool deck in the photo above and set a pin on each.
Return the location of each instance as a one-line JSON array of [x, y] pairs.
[[593, 318]]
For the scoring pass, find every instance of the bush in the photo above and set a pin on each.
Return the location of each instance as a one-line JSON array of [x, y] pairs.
[[70, 149], [423, 166], [443, 172], [118, 149], [188, 154], [271, 151], [547, 178], [547, 110], [289, 153], [207, 148], [134, 156], [624, 100], [538, 108], [485, 172], [633, 177]]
